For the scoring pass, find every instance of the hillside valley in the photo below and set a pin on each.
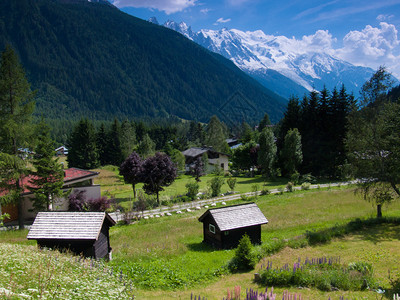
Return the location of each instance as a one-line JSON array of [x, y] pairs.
[[89, 59]]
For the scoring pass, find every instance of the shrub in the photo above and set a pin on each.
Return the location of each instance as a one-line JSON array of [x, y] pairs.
[[265, 192], [231, 181], [244, 258], [290, 186], [192, 189], [307, 178], [295, 177], [305, 186], [99, 204], [254, 189], [216, 184]]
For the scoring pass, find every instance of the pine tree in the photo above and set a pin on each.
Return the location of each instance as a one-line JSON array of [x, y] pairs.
[[216, 136], [114, 155], [82, 151], [267, 152], [146, 147], [16, 108], [101, 143], [264, 122], [128, 138], [291, 153], [47, 179]]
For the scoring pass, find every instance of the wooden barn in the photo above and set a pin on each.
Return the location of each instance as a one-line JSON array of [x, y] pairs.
[[224, 227], [83, 233]]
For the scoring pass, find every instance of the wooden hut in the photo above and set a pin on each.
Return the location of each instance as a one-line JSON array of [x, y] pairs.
[[224, 227], [83, 233]]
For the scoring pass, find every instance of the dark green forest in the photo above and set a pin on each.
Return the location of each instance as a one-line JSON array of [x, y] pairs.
[[92, 60]]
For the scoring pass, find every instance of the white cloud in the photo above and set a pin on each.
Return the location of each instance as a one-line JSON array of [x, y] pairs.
[[222, 20], [373, 47], [322, 40], [168, 6], [205, 10], [384, 17]]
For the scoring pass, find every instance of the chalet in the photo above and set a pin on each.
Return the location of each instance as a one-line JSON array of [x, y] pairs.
[[224, 227], [83, 233], [215, 158], [74, 179], [61, 151]]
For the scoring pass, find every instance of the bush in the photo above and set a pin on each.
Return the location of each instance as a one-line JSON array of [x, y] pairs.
[[244, 258], [265, 192], [192, 189], [290, 186], [78, 202], [295, 178], [216, 184], [231, 181], [305, 186], [307, 178]]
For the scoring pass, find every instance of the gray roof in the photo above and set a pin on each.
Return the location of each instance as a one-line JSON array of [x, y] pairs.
[[68, 225], [195, 151], [237, 216]]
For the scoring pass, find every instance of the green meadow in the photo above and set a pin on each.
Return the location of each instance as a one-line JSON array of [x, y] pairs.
[[164, 258]]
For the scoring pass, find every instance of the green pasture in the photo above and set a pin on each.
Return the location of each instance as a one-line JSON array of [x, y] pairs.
[[166, 259]]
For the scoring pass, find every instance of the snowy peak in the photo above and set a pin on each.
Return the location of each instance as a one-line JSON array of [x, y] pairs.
[[182, 28], [268, 58]]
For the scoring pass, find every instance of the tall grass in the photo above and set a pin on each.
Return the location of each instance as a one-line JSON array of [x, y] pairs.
[[27, 272]]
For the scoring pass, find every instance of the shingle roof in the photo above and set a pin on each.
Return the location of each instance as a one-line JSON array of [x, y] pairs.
[[195, 151], [237, 216], [68, 225]]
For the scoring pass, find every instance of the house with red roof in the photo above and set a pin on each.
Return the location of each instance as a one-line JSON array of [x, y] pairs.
[[75, 180]]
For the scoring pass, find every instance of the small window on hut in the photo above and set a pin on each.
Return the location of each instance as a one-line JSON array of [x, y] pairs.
[[211, 228]]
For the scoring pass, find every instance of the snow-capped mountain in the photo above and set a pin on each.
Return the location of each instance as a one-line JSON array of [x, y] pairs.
[[279, 63]]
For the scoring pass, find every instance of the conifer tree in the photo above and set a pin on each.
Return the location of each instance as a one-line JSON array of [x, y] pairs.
[[47, 179], [16, 108], [216, 136], [291, 153], [146, 147], [264, 122], [101, 143], [114, 155], [128, 138], [82, 152], [267, 152]]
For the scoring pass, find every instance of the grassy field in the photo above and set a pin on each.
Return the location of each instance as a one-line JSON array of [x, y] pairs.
[[166, 259], [113, 185]]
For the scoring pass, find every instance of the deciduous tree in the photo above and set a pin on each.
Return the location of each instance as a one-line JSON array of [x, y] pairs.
[[158, 171], [132, 170], [267, 152]]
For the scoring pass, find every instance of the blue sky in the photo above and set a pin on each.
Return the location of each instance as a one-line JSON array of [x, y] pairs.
[[361, 32]]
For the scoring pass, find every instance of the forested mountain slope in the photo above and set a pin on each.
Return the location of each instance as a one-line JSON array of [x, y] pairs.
[[90, 59]]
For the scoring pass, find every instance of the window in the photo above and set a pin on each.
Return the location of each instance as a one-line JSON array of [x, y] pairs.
[[222, 166], [211, 228]]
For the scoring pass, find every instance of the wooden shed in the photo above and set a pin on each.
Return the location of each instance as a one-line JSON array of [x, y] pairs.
[[224, 227], [83, 233]]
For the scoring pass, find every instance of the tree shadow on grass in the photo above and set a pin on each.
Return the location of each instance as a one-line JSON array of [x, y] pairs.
[[379, 233], [201, 247]]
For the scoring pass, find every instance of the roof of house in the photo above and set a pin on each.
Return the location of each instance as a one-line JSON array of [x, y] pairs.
[[70, 175], [68, 225], [197, 151], [236, 216], [61, 148]]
